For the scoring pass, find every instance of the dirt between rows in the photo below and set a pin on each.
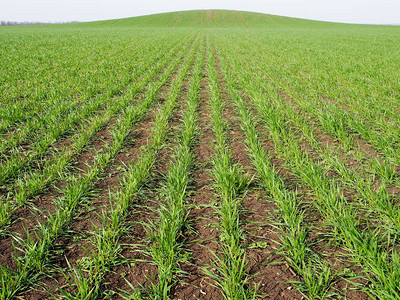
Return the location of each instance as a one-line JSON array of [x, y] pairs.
[[267, 270], [202, 236], [37, 209], [318, 230], [26, 218], [75, 245], [136, 266], [71, 246]]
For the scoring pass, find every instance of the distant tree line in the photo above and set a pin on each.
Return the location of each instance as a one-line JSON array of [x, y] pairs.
[[13, 23]]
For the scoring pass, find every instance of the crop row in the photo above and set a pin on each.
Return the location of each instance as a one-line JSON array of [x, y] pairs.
[[324, 154], [35, 181], [376, 257], [36, 249], [105, 241]]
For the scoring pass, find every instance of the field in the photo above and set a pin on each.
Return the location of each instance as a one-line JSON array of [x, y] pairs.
[[200, 155]]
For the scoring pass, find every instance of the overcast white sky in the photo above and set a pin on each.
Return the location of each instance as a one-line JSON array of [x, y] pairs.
[[352, 11]]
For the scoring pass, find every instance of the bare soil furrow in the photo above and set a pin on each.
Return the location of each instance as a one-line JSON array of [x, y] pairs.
[[202, 237], [73, 246], [40, 207], [136, 268], [266, 269], [319, 233], [76, 245]]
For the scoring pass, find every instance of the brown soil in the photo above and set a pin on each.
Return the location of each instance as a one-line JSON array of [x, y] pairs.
[[268, 271], [331, 254], [72, 245], [137, 268], [43, 205], [264, 270], [76, 245], [202, 238]]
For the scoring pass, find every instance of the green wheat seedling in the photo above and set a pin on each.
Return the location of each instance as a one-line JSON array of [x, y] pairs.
[[317, 284], [33, 128], [166, 250], [230, 184], [379, 199], [106, 238], [37, 181], [11, 167], [333, 206], [337, 120], [35, 259]]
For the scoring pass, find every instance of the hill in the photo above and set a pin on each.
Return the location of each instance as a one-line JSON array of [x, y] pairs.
[[208, 19]]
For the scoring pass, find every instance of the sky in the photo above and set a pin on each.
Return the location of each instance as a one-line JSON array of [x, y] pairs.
[[349, 11]]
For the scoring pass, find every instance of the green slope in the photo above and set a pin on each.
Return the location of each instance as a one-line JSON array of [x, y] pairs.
[[203, 19], [208, 19]]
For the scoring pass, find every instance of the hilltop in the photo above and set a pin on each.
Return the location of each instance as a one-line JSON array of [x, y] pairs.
[[208, 19]]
